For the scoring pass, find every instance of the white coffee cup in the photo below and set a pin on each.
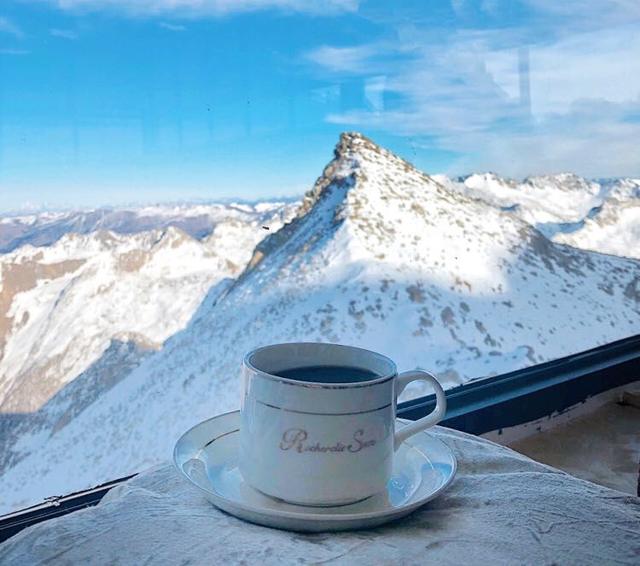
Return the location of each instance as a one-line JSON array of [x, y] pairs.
[[320, 443]]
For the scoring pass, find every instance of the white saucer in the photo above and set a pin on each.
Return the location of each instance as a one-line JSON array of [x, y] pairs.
[[207, 456]]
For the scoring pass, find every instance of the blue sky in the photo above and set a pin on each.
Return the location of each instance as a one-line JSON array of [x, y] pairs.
[[112, 101]]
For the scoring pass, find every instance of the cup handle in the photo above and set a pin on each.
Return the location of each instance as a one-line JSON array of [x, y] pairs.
[[434, 417]]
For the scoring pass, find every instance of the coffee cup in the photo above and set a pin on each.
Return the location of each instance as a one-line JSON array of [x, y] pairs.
[[318, 421]]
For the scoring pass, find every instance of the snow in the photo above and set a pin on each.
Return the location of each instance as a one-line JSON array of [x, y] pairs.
[[547, 199], [602, 215], [614, 230], [147, 284], [379, 255], [502, 508]]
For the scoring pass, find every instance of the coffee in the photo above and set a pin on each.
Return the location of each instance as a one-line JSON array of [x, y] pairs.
[[328, 374]]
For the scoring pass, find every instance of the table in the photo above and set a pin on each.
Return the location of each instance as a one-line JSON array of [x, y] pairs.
[[503, 508]]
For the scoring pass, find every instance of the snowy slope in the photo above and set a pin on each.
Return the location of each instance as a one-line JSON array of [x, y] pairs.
[[538, 200], [60, 306], [380, 255], [602, 215], [615, 226]]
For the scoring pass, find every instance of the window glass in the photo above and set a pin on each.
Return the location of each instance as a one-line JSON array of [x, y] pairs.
[[453, 184]]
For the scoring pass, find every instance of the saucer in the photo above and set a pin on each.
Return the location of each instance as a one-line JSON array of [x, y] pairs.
[[207, 455]]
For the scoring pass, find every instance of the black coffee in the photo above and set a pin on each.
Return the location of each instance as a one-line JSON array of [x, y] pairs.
[[328, 374]]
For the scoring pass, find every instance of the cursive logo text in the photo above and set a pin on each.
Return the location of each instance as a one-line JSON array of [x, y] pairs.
[[297, 439]]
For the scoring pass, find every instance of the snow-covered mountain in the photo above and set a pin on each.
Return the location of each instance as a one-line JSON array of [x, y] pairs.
[[197, 220], [379, 255], [599, 215], [614, 227], [60, 306], [76, 317]]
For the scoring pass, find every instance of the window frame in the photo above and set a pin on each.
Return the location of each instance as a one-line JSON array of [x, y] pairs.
[[490, 404]]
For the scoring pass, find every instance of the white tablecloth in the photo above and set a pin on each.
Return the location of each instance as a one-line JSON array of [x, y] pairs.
[[502, 509]]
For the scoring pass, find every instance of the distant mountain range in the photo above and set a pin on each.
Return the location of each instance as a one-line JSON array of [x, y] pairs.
[[197, 220], [599, 215], [116, 341]]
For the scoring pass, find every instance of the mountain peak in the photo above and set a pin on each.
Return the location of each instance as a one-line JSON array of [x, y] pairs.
[[354, 187], [353, 153], [351, 142], [341, 172], [354, 145], [173, 236]]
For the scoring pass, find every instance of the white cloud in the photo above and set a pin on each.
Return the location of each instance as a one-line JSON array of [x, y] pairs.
[[595, 65], [464, 96], [560, 14], [594, 139], [343, 59], [63, 33], [589, 13], [7, 26], [192, 8], [172, 27]]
